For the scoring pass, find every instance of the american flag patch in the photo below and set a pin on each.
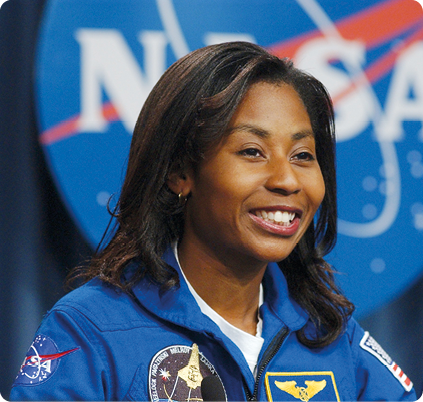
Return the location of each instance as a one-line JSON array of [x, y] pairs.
[[368, 343]]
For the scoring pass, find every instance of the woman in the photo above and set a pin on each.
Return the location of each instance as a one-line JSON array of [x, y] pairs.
[[215, 269]]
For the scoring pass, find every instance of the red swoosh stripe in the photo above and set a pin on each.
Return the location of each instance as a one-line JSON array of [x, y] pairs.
[[382, 66], [70, 126], [54, 356]]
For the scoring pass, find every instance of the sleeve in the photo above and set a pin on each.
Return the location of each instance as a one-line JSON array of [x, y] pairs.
[[378, 377], [62, 363]]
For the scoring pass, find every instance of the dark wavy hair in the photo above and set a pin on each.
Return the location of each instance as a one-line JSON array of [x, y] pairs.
[[187, 113]]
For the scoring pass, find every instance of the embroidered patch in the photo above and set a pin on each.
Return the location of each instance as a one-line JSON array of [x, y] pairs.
[[41, 361], [176, 373], [368, 343], [302, 386]]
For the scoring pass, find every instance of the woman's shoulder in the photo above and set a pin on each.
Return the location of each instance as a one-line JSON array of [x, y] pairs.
[[91, 295], [375, 366], [104, 305]]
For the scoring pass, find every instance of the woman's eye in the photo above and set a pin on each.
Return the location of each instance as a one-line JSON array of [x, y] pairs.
[[304, 156], [251, 152]]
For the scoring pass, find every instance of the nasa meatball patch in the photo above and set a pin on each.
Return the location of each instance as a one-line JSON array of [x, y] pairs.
[[369, 344], [41, 361], [176, 373]]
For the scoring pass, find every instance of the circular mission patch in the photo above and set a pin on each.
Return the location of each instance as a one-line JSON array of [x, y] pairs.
[[176, 373]]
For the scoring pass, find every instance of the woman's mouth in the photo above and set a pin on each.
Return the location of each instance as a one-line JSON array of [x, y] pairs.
[[278, 221], [283, 218]]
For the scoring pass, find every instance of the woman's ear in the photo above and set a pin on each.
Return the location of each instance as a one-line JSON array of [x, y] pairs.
[[180, 183]]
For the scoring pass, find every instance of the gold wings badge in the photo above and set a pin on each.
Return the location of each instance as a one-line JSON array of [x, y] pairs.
[[302, 393]]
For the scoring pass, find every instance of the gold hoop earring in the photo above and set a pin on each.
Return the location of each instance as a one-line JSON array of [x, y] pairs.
[[182, 199]]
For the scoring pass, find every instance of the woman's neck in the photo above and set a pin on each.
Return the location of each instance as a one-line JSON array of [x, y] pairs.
[[233, 292]]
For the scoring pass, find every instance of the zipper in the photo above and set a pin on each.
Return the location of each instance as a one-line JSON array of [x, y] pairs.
[[268, 355]]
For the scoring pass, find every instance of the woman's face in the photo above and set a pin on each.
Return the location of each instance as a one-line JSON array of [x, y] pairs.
[[256, 193]]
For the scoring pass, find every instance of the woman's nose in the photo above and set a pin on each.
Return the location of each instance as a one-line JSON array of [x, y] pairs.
[[282, 178]]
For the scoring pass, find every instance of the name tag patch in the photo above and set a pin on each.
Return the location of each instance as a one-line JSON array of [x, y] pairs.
[[368, 343]]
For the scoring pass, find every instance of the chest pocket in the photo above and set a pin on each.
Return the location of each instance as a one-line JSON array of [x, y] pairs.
[[301, 386]]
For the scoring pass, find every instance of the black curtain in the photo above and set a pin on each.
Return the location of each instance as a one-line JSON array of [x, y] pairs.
[[39, 243]]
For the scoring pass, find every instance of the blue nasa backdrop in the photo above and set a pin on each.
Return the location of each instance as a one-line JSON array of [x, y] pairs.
[[97, 61]]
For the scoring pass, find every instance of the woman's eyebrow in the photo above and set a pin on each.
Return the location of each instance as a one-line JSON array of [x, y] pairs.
[[302, 134], [251, 129], [262, 133]]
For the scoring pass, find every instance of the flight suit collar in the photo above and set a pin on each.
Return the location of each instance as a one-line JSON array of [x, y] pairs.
[[177, 305]]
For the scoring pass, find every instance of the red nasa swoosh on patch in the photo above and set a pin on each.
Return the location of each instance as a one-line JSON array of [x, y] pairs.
[[44, 358]]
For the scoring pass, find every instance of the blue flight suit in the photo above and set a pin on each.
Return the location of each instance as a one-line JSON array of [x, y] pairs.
[[99, 343]]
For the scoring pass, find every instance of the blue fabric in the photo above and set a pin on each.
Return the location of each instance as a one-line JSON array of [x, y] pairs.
[[104, 342]]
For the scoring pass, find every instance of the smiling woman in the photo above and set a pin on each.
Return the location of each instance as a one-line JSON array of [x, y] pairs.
[[216, 266], [262, 165]]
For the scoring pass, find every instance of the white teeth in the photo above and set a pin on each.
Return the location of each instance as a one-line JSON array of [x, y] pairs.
[[279, 216], [283, 218], [286, 217]]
